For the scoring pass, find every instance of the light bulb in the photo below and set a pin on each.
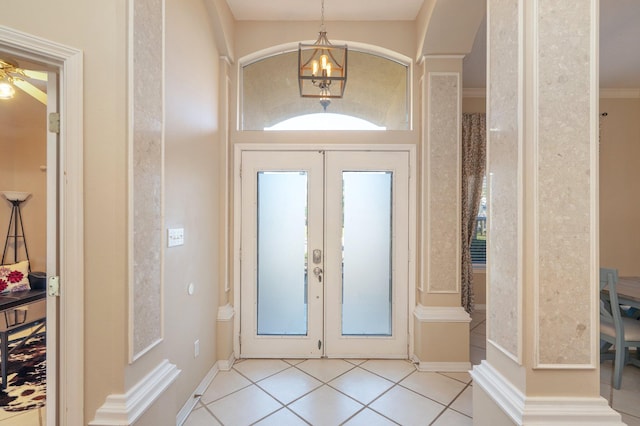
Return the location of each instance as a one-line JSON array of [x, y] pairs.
[[314, 66], [328, 68], [324, 59], [6, 90]]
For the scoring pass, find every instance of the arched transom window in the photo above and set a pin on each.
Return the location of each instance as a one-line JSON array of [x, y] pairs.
[[376, 96]]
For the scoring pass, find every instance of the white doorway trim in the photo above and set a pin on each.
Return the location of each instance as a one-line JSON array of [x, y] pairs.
[[70, 311], [237, 199]]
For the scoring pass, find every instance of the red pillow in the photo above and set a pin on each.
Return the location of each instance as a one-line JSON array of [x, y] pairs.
[[14, 277]]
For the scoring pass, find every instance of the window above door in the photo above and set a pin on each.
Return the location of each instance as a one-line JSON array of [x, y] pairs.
[[377, 92]]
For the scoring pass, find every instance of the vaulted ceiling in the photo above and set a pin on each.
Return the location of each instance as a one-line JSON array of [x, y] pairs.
[[619, 30]]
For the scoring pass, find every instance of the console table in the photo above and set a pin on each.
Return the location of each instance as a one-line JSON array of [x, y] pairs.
[[19, 311]]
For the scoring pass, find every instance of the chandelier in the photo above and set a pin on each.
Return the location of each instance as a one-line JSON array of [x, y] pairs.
[[322, 68]]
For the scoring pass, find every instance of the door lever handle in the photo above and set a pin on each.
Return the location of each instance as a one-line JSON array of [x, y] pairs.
[[317, 271]]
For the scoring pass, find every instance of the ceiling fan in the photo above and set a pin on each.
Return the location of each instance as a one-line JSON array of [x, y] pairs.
[[11, 75]]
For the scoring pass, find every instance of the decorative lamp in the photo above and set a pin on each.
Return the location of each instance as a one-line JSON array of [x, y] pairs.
[[6, 88], [322, 68]]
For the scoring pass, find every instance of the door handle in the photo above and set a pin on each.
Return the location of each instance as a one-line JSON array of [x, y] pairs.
[[317, 271]]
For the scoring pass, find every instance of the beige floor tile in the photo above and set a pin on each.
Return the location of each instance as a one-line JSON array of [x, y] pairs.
[[325, 406], [244, 407], [200, 417], [258, 369], [394, 370], [627, 402], [224, 383], [477, 355], [361, 385], [368, 417], [325, 370], [478, 340], [433, 385], [630, 420], [35, 417], [407, 407], [452, 418], [463, 377], [289, 385], [355, 361], [282, 417], [480, 328], [464, 402], [293, 361]]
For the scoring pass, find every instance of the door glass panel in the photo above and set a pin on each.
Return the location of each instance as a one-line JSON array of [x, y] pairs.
[[366, 253], [282, 253]]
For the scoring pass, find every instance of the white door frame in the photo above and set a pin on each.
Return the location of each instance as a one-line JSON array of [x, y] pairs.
[[237, 199], [70, 309]]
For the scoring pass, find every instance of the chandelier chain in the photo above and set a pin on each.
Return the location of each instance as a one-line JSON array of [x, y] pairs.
[[322, 28]]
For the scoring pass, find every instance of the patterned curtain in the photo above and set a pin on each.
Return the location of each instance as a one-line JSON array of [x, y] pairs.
[[474, 153]]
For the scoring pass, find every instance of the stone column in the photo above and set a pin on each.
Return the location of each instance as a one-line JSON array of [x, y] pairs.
[[441, 326], [542, 272]]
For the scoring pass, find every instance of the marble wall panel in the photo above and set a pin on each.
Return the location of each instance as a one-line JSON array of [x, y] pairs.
[[147, 172], [504, 182], [443, 171], [565, 182]]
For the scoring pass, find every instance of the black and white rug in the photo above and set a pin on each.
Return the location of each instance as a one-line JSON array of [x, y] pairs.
[[26, 377]]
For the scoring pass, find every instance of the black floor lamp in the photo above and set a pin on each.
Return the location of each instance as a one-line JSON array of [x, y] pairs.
[[15, 222]]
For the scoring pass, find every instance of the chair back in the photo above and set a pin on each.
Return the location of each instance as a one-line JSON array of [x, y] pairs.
[[609, 305]]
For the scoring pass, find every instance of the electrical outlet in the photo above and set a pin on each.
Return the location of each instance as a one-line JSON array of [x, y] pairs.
[[175, 237], [196, 348]]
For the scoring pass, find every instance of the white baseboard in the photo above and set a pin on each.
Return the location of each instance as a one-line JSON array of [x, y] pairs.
[[542, 410], [444, 367], [441, 314], [188, 406], [125, 409], [226, 364]]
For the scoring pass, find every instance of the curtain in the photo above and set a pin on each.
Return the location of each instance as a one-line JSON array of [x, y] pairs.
[[473, 168]]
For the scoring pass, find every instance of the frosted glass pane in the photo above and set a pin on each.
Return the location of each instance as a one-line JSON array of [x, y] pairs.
[[366, 253], [282, 253]]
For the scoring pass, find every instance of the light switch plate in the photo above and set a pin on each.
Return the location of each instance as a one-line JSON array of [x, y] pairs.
[[175, 237]]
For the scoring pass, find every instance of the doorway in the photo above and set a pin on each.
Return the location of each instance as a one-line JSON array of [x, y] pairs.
[[324, 254], [64, 224]]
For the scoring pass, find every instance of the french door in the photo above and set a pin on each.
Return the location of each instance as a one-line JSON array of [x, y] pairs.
[[324, 254]]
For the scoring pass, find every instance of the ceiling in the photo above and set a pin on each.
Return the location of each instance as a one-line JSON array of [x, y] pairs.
[[619, 31], [334, 10]]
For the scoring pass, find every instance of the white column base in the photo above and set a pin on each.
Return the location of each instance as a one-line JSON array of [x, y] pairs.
[[524, 410], [125, 409]]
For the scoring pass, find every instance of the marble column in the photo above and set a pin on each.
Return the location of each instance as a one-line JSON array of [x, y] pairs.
[[441, 326], [542, 313]]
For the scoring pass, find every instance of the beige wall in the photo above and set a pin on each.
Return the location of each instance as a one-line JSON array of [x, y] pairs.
[[100, 31], [619, 178], [191, 202]]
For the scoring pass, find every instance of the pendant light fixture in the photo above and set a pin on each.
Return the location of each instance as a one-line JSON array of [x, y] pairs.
[[322, 68]]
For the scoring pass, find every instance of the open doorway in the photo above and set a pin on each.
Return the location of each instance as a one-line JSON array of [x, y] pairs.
[[28, 213], [65, 314]]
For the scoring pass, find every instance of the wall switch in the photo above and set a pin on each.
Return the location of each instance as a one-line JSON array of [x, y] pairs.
[[196, 348], [175, 237]]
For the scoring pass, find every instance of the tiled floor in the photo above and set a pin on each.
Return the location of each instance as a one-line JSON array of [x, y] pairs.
[[36, 417], [363, 392], [352, 392], [333, 392]]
